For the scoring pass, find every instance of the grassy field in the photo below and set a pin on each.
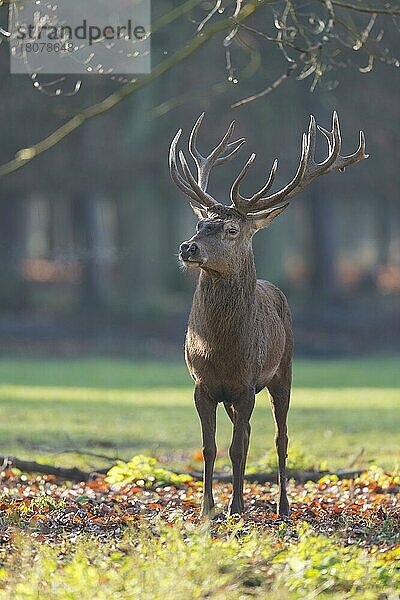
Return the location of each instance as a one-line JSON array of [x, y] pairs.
[[178, 563], [61, 541], [343, 412]]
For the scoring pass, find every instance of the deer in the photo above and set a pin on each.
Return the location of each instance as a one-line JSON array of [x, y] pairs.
[[239, 338]]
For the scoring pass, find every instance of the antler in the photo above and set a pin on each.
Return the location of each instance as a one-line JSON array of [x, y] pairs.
[[307, 170], [187, 183]]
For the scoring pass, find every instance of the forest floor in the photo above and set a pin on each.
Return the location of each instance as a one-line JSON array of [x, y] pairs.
[[136, 533], [145, 540]]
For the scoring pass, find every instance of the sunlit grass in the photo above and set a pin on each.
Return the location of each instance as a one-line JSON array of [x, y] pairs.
[[343, 414], [123, 373], [118, 407], [183, 562]]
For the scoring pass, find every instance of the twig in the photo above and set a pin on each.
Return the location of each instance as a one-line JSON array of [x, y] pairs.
[[210, 15], [269, 89], [71, 474], [282, 31], [320, 589], [356, 458], [364, 35], [75, 474], [366, 9], [232, 34], [298, 476], [280, 79], [331, 15], [26, 155], [58, 451], [274, 40]]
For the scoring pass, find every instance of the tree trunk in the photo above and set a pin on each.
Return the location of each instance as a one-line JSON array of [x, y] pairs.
[[322, 243]]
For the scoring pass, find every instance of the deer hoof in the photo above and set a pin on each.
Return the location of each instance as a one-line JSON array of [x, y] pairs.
[[207, 512], [236, 508], [284, 510]]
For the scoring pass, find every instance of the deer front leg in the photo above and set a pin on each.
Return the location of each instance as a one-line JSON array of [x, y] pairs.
[[240, 414], [207, 409]]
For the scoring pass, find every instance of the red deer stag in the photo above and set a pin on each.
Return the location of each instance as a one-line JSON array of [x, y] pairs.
[[239, 338]]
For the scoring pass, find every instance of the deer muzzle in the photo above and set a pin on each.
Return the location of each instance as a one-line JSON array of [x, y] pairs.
[[189, 252]]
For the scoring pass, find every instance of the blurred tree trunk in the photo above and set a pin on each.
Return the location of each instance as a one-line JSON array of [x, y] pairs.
[[322, 244], [86, 209], [142, 222], [12, 287], [382, 230], [323, 277], [92, 290]]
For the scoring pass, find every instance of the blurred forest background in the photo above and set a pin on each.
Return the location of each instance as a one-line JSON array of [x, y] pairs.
[[89, 230]]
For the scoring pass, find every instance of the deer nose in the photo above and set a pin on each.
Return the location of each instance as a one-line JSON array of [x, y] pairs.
[[188, 250]]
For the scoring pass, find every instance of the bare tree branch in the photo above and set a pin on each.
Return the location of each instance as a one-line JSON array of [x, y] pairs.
[[295, 30], [269, 89], [271, 477], [75, 474], [210, 15], [364, 35], [366, 9], [79, 451], [331, 13], [269, 38], [71, 474], [26, 155], [278, 82]]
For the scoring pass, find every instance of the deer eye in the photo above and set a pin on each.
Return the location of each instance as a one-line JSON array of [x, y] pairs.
[[232, 231]]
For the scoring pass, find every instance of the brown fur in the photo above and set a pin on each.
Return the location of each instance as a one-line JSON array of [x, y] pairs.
[[239, 341], [239, 338]]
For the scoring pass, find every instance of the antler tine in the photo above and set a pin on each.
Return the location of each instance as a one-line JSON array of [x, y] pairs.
[[173, 168], [328, 135], [237, 199], [245, 205], [233, 148], [221, 147], [345, 161], [291, 188], [312, 136], [359, 154], [253, 201], [193, 139], [223, 152], [200, 193], [206, 163], [334, 160], [334, 148], [188, 186], [309, 169]]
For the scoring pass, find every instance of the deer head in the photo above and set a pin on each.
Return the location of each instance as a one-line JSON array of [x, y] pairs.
[[225, 231]]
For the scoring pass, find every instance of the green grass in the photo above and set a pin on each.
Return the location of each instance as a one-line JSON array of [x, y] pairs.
[[183, 562], [118, 406], [339, 409], [382, 372]]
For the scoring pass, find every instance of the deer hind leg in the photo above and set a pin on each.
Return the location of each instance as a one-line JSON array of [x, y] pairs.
[[279, 390], [240, 414], [207, 411], [231, 414]]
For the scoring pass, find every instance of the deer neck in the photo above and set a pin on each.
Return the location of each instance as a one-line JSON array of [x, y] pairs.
[[224, 305]]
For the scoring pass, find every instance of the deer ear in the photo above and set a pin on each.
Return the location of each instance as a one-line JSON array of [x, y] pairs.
[[199, 212], [265, 218]]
